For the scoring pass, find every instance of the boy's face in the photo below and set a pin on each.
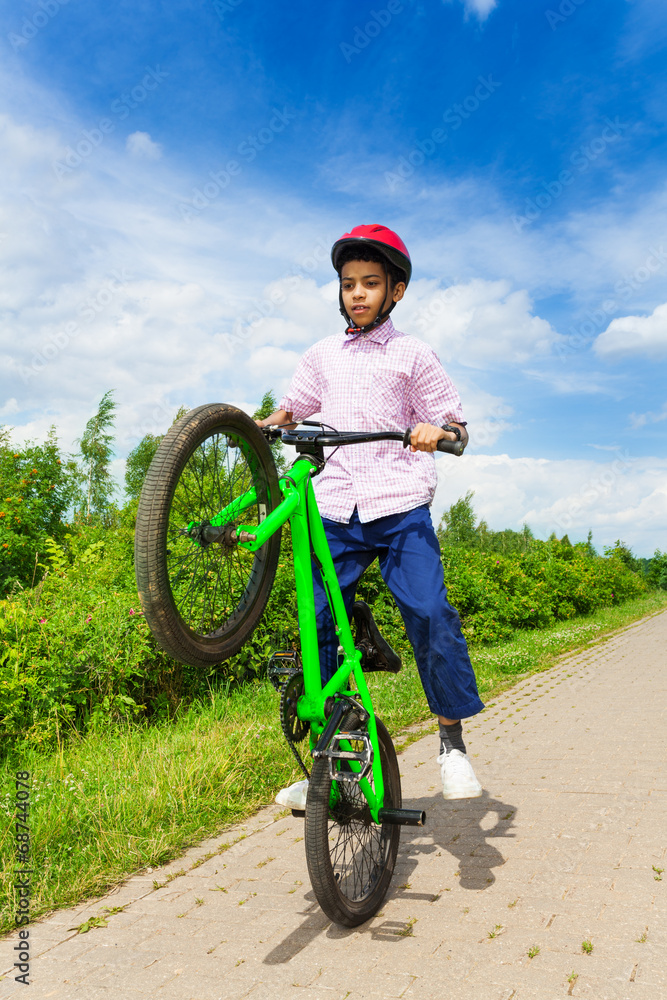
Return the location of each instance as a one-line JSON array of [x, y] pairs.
[[364, 289]]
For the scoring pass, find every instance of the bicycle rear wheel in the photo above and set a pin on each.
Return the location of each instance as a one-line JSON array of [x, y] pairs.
[[202, 599], [350, 858]]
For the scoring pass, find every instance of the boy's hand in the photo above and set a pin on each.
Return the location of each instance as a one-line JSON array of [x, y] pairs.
[[278, 418], [425, 437]]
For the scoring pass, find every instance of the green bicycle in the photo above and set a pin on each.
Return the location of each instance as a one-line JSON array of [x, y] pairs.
[[206, 553]]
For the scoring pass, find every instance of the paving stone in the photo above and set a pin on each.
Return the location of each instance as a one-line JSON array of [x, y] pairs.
[[573, 817]]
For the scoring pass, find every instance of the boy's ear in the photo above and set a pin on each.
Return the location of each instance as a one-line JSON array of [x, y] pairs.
[[399, 291]]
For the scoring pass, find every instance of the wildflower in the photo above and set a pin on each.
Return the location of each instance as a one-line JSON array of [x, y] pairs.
[[42, 621], [89, 619]]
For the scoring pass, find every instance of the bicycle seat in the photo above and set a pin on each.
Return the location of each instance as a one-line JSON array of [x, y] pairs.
[[376, 653]]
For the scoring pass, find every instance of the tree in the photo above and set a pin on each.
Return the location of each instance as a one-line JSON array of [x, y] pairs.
[[590, 548], [138, 461], [459, 523], [655, 570], [624, 553], [265, 409], [96, 448], [38, 488]]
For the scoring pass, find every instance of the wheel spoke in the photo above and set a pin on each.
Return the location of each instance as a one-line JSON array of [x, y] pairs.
[[351, 858]]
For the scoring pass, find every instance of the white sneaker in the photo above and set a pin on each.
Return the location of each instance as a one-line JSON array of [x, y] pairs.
[[458, 777], [294, 796]]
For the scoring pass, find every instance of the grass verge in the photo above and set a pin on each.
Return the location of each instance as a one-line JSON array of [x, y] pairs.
[[107, 805]]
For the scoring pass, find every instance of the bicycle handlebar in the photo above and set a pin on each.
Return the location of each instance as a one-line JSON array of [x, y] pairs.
[[334, 439]]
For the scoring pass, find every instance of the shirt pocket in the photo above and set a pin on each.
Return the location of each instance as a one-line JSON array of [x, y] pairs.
[[389, 393]]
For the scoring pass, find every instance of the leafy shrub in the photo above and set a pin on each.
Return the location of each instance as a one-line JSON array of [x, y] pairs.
[[37, 486], [75, 652], [496, 594]]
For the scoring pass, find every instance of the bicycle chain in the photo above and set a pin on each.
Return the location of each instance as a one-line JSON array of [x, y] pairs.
[[294, 730]]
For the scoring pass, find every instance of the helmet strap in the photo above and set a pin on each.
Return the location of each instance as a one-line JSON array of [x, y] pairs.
[[379, 319]]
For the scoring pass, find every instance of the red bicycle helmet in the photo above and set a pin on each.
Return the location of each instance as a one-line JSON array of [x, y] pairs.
[[391, 247], [385, 240]]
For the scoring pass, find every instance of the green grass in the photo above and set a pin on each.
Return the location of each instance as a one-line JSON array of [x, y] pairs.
[[113, 802]]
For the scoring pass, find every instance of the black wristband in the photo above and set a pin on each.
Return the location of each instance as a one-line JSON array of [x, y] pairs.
[[454, 430]]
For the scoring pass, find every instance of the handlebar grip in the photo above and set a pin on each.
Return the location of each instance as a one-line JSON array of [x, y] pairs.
[[452, 447]]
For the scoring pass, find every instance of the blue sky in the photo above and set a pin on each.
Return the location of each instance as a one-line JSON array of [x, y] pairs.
[[174, 175]]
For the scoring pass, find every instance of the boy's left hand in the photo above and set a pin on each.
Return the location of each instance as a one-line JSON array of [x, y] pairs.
[[425, 437]]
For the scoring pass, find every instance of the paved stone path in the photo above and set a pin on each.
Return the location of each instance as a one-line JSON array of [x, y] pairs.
[[566, 845]]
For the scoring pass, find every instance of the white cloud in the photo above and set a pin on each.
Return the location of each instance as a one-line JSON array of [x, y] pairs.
[[635, 335], [481, 324], [638, 420], [482, 8], [624, 498], [159, 334], [576, 383], [141, 145], [479, 8], [9, 408]]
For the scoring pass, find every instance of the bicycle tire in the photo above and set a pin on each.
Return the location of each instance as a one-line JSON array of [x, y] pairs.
[[351, 859], [202, 601]]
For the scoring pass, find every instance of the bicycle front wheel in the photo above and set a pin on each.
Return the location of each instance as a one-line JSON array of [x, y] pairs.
[[201, 594], [350, 858]]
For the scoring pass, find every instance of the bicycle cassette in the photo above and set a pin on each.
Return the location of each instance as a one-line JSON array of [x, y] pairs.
[[294, 728]]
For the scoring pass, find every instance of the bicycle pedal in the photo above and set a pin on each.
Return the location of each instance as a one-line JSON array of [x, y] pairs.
[[363, 756], [283, 664]]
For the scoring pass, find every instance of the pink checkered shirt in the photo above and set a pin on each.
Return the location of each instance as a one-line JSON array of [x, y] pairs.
[[383, 380]]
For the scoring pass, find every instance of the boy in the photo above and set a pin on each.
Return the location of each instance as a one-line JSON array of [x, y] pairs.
[[375, 497]]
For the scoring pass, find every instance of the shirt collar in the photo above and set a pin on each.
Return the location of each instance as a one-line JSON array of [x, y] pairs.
[[380, 335]]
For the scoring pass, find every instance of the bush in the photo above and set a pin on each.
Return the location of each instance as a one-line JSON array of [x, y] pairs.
[[496, 595], [37, 486], [75, 652]]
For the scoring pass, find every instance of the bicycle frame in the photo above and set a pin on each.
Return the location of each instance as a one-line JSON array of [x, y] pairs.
[[309, 542]]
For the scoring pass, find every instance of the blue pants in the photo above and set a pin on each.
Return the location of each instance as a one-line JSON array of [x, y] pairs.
[[409, 556]]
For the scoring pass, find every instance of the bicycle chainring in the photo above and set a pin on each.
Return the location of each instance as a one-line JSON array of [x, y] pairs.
[[294, 728]]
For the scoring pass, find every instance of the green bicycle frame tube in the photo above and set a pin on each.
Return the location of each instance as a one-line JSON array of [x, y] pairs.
[[300, 507], [235, 508]]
